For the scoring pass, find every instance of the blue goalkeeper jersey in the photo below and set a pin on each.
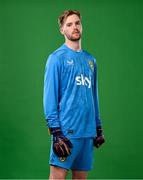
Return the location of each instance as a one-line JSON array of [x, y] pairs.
[[71, 92]]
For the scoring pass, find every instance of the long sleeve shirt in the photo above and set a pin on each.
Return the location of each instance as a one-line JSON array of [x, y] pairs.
[[71, 92]]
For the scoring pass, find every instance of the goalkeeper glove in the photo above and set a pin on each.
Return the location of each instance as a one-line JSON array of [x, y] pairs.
[[61, 145], [99, 140]]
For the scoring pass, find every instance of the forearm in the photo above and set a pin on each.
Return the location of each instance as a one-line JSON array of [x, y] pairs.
[[51, 92]]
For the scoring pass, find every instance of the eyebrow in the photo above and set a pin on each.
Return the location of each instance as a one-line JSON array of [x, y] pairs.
[[75, 22]]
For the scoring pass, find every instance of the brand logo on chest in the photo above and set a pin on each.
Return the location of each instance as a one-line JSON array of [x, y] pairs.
[[70, 62]]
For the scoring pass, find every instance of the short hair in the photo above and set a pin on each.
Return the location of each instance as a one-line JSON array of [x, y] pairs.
[[65, 14]]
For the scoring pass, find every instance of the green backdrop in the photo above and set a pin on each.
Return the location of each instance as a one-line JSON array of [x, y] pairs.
[[113, 33]]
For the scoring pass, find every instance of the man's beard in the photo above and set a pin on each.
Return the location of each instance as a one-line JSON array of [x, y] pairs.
[[72, 38]]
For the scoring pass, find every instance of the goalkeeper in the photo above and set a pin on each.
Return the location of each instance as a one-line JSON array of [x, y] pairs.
[[71, 104]]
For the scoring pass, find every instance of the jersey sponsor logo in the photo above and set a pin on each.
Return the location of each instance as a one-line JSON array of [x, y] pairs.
[[83, 81]]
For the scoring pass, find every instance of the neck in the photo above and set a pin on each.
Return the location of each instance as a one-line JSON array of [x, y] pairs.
[[75, 45]]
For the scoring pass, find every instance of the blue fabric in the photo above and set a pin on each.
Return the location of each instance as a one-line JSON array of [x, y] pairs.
[[71, 92], [81, 157]]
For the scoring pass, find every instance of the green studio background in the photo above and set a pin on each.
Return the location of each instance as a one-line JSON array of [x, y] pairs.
[[113, 33]]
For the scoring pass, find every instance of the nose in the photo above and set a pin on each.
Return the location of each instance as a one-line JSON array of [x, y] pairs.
[[75, 26]]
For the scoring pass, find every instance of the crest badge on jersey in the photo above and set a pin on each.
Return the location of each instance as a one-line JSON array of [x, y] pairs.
[[91, 64]]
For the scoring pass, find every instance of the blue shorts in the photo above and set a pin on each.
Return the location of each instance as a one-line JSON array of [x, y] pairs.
[[81, 157]]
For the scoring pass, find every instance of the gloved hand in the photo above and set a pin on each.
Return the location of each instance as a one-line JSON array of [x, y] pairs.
[[99, 140], [61, 145]]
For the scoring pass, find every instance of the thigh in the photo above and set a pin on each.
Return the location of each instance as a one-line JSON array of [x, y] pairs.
[[57, 173], [79, 174], [84, 159]]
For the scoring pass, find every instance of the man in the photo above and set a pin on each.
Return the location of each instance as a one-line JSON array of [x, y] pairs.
[[71, 103]]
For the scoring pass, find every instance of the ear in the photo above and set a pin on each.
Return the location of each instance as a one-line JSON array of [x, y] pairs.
[[61, 31]]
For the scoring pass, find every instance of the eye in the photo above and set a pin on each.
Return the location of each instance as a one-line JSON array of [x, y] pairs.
[[69, 24], [78, 23]]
